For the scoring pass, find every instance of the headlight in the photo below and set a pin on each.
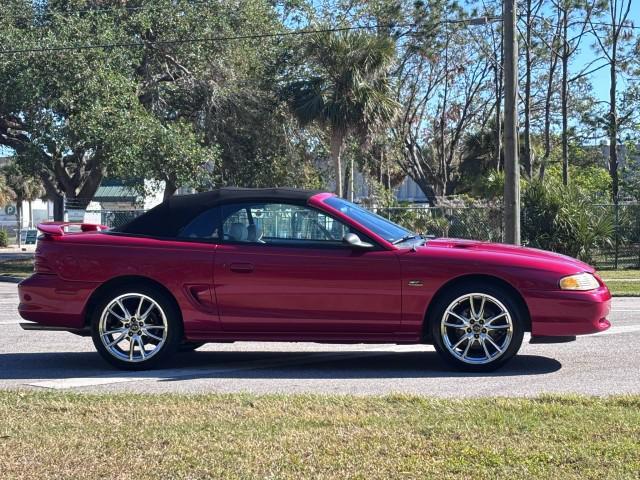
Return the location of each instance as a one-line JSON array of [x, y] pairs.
[[580, 281]]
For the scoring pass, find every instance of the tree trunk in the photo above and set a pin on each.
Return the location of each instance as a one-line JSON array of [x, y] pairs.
[[30, 214], [498, 137], [337, 140], [352, 180], [547, 117], [19, 218], [58, 207], [346, 180], [613, 126], [169, 189], [527, 162], [565, 95]]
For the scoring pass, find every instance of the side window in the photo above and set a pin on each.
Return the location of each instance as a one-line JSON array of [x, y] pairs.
[[281, 224], [205, 226]]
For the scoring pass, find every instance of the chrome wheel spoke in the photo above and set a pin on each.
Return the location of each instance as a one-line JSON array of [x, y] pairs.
[[481, 312], [466, 349], [453, 325], [493, 319], [117, 330], [147, 312], [490, 340], [126, 312], [139, 306], [117, 340], [151, 335], [155, 327], [462, 339], [484, 347], [464, 321], [119, 317], [131, 349], [141, 346], [498, 327]]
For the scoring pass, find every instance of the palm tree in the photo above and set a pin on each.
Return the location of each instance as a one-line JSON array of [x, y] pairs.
[[6, 194], [347, 91], [25, 187]]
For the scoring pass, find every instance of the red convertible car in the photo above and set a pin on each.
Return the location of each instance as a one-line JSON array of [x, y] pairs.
[[283, 264]]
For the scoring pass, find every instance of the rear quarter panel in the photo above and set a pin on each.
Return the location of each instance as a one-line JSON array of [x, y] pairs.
[[183, 268]]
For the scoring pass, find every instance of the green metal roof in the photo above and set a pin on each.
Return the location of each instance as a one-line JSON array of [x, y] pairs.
[[115, 194]]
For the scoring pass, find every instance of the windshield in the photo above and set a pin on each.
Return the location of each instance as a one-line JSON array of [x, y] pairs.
[[381, 226]]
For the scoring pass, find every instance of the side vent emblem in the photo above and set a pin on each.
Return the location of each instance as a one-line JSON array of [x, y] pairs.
[[415, 283]]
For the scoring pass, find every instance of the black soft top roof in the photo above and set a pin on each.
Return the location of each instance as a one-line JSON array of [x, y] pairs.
[[167, 218]]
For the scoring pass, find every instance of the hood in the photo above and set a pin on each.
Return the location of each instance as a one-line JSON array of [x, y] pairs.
[[532, 254]]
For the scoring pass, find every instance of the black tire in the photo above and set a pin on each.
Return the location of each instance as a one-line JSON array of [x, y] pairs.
[[186, 347], [478, 338], [161, 352]]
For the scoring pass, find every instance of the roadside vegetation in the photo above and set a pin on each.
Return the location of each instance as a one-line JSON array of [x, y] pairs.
[[19, 267], [622, 283], [52, 435]]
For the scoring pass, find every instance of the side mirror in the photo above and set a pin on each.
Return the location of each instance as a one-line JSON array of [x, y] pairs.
[[354, 241]]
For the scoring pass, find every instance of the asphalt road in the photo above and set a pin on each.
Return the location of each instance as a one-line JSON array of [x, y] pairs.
[[603, 364]]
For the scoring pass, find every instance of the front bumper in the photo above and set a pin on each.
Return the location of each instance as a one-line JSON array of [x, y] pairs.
[[565, 313], [52, 301]]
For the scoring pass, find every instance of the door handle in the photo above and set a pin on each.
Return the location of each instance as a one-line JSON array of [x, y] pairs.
[[241, 267]]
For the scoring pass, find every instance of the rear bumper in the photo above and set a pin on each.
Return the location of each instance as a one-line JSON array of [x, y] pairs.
[[565, 313], [51, 301]]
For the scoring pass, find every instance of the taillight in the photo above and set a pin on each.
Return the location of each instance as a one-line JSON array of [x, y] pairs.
[[40, 264]]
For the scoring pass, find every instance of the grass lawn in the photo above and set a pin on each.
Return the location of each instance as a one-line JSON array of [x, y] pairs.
[[66, 435], [622, 283], [21, 267]]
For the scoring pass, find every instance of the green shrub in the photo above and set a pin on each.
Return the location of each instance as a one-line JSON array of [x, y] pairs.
[[4, 239], [565, 220]]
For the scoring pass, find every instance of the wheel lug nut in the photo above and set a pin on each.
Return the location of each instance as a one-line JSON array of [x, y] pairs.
[[471, 322], [468, 330], [484, 330], [481, 322], [477, 336]]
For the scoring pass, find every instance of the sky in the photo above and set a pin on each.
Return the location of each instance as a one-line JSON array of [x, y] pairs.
[[600, 79]]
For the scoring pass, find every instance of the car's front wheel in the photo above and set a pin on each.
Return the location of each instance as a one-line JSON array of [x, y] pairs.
[[477, 327], [135, 327]]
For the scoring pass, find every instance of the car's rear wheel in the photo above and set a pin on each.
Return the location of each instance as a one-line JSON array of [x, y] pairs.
[[135, 327], [477, 327]]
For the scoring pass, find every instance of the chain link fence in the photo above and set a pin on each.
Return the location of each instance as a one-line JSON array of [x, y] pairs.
[[620, 251], [478, 223]]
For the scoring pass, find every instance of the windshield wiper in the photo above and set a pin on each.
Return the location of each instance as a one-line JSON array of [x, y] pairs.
[[411, 236]]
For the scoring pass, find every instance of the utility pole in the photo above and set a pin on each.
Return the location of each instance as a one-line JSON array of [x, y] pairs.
[[511, 163]]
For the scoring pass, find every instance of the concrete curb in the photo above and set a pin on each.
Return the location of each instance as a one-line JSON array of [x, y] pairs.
[[10, 279]]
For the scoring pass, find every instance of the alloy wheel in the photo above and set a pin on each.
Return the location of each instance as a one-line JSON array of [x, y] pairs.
[[133, 327], [476, 328]]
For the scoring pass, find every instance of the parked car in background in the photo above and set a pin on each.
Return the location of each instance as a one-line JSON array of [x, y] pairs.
[[283, 264]]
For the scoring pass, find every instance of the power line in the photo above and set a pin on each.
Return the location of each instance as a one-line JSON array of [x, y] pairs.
[[116, 9], [253, 36]]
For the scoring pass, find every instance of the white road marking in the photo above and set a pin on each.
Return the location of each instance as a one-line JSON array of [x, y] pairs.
[[618, 329], [171, 374]]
